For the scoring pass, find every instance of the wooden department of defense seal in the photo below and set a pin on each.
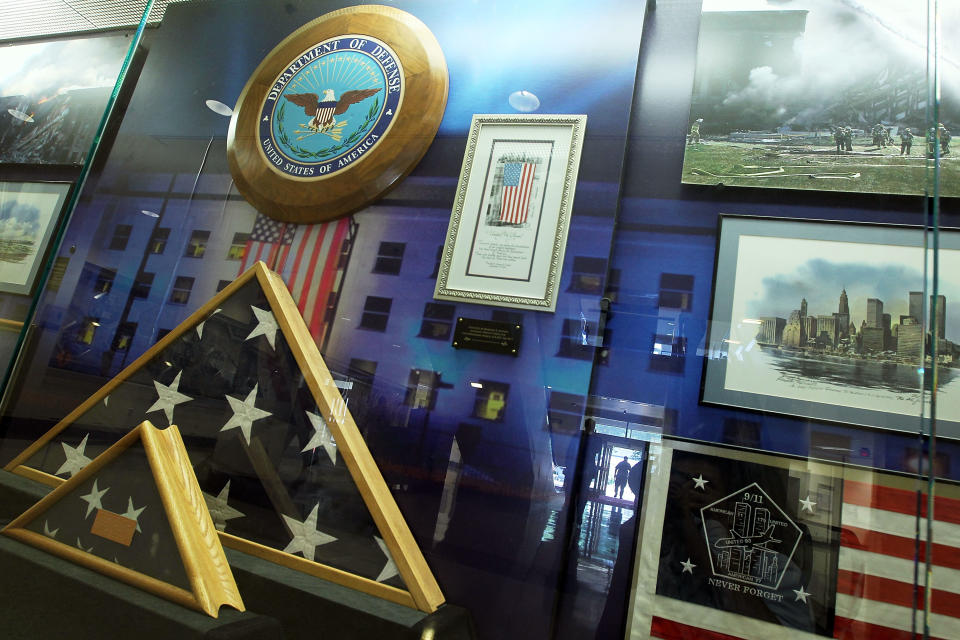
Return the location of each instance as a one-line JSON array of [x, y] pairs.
[[337, 114]]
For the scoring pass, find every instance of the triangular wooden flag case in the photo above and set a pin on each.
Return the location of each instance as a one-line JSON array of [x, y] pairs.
[[284, 470], [164, 542]]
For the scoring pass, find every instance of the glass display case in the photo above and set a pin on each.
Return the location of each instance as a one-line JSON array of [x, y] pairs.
[[737, 422]]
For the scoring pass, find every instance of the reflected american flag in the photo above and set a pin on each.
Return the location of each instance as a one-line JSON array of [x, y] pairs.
[[308, 258]]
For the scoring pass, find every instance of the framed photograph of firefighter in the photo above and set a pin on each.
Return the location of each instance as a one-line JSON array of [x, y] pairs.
[[772, 108], [835, 322], [28, 215], [508, 229]]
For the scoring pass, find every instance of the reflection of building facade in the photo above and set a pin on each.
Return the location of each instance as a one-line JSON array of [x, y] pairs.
[[165, 244]]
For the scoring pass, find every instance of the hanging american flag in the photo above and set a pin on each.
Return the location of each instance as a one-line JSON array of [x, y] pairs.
[[517, 187], [269, 241], [307, 257], [875, 593]]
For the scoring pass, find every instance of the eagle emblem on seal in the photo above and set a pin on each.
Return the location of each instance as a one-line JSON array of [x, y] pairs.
[[324, 111]]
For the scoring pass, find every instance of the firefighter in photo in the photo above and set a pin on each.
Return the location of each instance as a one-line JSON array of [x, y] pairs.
[[877, 133], [931, 142], [906, 141], [944, 136], [848, 138], [695, 132], [838, 138]]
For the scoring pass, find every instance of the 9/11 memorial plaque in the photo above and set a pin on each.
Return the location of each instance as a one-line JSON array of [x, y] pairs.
[[487, 335]]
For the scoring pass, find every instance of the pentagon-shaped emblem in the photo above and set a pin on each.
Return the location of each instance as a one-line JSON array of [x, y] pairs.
[[749, 537]]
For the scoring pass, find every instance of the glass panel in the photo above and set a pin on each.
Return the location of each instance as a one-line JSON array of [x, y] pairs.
[[472, 469], [740, 421], [56, 96]]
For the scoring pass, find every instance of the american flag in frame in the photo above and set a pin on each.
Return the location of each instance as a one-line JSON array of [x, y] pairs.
[[283, 467], [136, 513]]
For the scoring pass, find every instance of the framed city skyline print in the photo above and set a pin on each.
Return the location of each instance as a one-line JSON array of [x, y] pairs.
[[772, 108], [831, 321], [28, 214], [508, 229]]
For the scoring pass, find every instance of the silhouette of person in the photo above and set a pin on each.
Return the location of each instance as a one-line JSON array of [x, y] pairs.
[[620, 474]]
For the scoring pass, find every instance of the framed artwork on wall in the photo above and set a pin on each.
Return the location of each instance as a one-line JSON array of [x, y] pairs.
[[52, 95], [834, 321], [771, 109], [508, 229], [28, 215], [738, 544]]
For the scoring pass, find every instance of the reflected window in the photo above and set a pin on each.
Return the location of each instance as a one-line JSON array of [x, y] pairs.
[[162, 333], [121, 235], [198, 244], [436, 266], [565, 412], [588, 275], [437, 321], [363, 370], [345, 249], [124, 336], [376, 312], [676, 291], [613, 285], [491, 400], [221, 285], [182, 287], [104, 281], [331, 311], [88, 330], [142, 285], [238, 248], [56, 274], [389, 258], [574, 340], [158, 240], [422, 389]]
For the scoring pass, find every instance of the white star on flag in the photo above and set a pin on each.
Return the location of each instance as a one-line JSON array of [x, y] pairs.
[[50, 533], [83, 548], [245, 413], [93, 498], [306, 538], [801, 594], [76, 460], [808, 504], [390, 569], [687, 566], [321, 437], [133, 514], [168, 397], [200, 326], [266, 325], [700, 483], [219, 510]]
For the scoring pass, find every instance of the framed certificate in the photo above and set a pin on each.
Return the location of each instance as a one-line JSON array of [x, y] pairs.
[[508, 229]]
